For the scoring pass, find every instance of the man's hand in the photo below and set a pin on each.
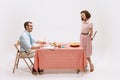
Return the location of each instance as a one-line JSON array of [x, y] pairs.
[[41, 42], [41, 45]]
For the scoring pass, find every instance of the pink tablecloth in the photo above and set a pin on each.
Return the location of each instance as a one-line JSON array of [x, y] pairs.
[[60, 58]]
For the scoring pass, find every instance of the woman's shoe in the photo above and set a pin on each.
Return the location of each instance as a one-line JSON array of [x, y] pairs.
[[91, 68]]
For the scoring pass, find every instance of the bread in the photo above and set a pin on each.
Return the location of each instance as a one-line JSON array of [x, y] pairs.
[[74, 44]]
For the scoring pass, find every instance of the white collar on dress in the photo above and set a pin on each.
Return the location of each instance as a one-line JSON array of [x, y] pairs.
[[86, 21]]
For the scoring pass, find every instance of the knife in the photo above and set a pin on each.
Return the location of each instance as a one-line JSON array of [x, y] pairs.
[[94, 34]]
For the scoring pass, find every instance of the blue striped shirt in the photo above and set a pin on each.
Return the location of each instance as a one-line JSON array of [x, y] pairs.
[[25, 41]]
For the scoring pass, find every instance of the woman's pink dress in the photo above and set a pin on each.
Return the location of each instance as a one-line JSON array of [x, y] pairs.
[[85, 40]]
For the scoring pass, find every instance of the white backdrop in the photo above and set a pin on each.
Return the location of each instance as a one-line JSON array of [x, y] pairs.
[[59, 20]]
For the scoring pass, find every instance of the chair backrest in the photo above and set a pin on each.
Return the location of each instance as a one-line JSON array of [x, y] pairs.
[[17, 46]]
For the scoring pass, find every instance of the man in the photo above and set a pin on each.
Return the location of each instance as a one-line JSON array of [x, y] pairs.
[[26, 42]]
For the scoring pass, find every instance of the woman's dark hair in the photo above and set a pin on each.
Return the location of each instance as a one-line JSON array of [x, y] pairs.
[[87, 14], [26, 24]]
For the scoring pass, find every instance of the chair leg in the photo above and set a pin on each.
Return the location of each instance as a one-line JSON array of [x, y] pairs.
[[15, 63], [27, 64], [30, 61]]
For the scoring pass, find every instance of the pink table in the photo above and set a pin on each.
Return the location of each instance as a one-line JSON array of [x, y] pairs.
[[60, 58]]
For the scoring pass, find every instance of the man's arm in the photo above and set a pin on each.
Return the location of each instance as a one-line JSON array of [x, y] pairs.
[[41, 42], [36, 47], [25, 43]]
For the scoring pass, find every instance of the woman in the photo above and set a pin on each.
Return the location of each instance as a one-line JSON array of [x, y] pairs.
[[86, 36]]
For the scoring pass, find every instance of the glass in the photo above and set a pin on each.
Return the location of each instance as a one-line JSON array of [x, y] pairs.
[[63, 45]]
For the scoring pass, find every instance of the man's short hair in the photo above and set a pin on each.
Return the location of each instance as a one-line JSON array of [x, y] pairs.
[[26, 24]]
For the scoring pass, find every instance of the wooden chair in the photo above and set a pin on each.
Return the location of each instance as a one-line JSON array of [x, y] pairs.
[[19, 55]]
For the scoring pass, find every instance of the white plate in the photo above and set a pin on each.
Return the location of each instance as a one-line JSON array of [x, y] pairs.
[[48, 47]]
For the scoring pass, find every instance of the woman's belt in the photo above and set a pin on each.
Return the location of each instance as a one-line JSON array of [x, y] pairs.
[[84, 33]]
